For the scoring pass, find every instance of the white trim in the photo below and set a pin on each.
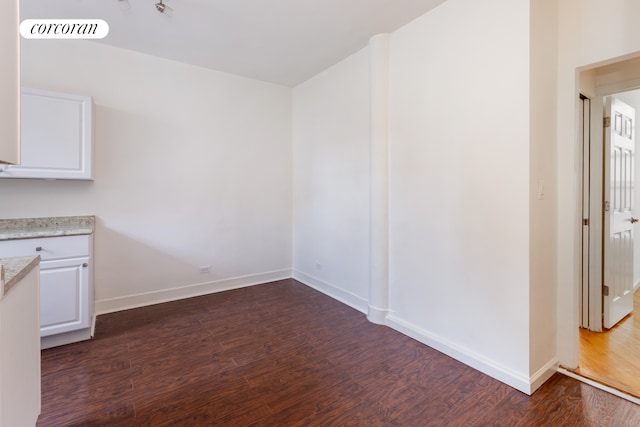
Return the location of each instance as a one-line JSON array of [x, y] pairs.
[[476, 361], [613, 88], [464, 355], [599, 386], [378, 294], [93, 325], [543, 374], [156, 297], [352, 300], [377, 315], [596, 195]]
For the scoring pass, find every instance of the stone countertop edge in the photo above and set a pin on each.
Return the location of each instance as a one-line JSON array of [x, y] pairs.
[[31, 228], [15, 269]]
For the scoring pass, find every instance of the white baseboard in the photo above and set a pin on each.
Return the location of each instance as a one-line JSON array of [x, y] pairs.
[[173, 294], [489, 367], [377, 315], [352, 300], [543, 374]]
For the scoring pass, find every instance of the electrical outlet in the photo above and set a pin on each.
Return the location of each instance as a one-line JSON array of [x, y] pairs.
[[205, 269]]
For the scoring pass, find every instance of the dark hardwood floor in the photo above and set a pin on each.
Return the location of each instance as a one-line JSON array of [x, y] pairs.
[[282, 354]]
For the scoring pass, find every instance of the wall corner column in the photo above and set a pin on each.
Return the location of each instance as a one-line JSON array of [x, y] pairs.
[[379, 179]]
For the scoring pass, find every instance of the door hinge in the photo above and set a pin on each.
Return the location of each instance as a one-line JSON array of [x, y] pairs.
[[606, 122], [585, 221], [605, 291], [606, 206]]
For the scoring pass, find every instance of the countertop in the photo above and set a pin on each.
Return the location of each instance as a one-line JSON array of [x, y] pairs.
[[14, 269], [31, 228]]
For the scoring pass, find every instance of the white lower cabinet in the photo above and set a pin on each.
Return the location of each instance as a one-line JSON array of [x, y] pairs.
[[66, 285]]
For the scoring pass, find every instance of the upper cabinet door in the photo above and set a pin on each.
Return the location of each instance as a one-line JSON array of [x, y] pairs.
[[9, 84], [56, 136]]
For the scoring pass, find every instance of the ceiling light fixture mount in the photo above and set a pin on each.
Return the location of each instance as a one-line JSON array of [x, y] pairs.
[[160, 6]]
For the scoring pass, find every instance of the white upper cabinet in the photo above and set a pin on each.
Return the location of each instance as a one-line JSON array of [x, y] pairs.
[[56, 136], [9, 83]]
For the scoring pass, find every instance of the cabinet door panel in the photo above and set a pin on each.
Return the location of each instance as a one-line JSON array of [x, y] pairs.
[[63, 290], [55, 140], [56, 136]]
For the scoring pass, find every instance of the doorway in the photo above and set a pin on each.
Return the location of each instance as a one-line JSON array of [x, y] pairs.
[[608, 355], [611, 357]]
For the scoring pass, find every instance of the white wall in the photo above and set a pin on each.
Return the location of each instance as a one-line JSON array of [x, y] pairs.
[[543, 194], [331, 180], [459, 191], [192, 168], [591, 33], [466, 220]]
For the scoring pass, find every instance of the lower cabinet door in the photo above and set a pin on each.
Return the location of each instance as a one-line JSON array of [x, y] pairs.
[[64, 285]]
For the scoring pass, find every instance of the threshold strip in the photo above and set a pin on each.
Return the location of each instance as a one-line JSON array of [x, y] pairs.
[[598, 385]]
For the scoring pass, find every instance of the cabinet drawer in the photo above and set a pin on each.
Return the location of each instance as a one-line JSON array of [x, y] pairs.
[[48, 247]]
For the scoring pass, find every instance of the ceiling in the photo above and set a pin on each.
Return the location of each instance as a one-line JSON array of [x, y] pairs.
[[280, 41]]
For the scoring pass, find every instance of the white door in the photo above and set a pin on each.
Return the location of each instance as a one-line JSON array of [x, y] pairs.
[[618, 223], [63, 294]]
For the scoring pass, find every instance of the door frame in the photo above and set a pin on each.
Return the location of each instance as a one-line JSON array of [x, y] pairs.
[[593, 173], [592, 166]]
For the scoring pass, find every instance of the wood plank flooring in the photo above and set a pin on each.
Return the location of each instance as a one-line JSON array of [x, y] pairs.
[[613, 357], [282, 354]]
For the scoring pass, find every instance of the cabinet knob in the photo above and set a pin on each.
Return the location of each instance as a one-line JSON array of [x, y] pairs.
[[38, 248], [85, 264]]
